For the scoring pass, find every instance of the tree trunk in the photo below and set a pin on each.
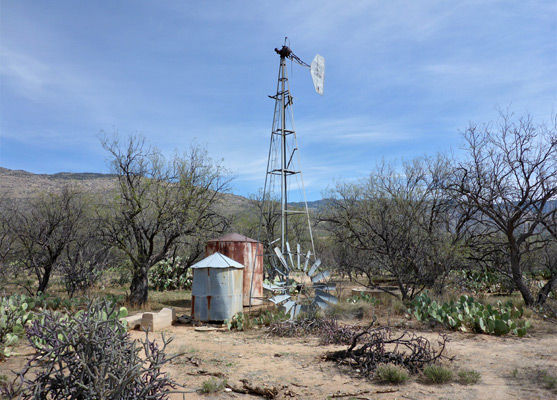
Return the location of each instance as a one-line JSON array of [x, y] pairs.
[[546, 289], [139, 288], [43, 280], [519, 282]]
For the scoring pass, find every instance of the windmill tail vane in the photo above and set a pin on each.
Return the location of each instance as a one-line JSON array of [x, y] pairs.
[[317, 66]]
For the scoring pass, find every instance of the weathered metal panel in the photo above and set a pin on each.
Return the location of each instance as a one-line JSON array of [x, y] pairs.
[[216, 293], [245, 251]]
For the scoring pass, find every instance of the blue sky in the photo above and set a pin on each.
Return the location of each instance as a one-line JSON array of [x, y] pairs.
[[402, 79]]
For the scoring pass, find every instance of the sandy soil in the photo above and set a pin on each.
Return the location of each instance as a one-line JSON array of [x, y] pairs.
[[509, 366]]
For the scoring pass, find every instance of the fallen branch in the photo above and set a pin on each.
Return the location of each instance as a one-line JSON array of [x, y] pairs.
[[356, 394], [268, 392], [204, 372], [351, 394], [381, 346]]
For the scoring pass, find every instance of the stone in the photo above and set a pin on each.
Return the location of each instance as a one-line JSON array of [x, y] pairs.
[[134, 321], [157, 321]]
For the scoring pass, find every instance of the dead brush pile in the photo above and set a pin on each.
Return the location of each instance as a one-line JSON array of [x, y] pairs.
[[368, 347], [328, 330], [376, 346]]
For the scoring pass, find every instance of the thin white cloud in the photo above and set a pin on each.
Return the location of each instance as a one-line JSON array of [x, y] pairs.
[[402, 77], [27, 75]]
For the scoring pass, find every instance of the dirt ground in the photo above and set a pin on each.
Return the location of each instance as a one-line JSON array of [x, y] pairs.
[[510, 367]]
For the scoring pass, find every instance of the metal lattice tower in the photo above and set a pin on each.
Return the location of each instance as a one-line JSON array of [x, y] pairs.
[[283, 163], [284, 173]]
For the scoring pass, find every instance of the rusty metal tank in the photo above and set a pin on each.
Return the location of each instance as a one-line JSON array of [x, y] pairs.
[[244, 250], [217, 288]]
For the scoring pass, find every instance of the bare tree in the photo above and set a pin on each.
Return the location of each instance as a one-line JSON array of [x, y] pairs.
[[395, 223], [505, 187], [6, 238], [159, 204], [84, 260], [42, 228]]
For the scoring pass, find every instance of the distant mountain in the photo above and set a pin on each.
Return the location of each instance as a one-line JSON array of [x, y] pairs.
[[18, 184], [314, 205]]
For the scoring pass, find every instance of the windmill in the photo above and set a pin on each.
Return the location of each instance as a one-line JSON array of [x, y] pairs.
[[298, 288]]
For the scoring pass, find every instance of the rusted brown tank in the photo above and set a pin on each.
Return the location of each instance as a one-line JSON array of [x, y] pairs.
[[243, 250]]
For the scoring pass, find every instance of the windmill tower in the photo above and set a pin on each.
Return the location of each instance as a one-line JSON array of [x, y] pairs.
[[284, 174]]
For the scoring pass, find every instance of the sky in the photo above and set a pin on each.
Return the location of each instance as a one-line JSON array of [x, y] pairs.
[[403, 79]]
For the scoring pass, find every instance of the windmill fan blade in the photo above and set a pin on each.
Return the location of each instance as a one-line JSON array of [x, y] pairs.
[[290, 255], [326, 296], [280, 298], [314, 267], [321, 303], [281, 272], [288, 306], [321, 276], [327, 287], [272, 288], [307, 261], [295, 311], [317, 70], [281, 258]]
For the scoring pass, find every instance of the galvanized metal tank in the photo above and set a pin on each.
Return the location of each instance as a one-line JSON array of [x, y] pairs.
[[245, 251], [217, 288]]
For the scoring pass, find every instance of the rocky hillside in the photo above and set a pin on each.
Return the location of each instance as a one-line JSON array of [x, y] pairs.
[[20, 184]]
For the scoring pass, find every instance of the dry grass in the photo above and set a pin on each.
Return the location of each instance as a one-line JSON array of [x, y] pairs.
[[391, 373]]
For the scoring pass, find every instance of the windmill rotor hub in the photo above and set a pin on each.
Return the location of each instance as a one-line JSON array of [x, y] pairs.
[[284, 52]]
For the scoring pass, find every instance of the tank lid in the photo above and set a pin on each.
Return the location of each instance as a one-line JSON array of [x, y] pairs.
[[217, 260], [233, 237]]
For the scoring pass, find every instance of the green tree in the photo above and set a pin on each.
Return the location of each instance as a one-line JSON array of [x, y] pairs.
[[395, 223], [504, 187], [159, 204]]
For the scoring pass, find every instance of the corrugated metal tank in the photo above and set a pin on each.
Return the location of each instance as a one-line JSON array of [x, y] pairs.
[[243, 250], [217, 288]]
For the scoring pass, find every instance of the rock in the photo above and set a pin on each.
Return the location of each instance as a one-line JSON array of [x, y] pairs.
[[157, 321]]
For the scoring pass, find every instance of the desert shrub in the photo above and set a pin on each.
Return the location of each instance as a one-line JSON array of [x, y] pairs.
[[391, 373], [482, 280], [466, 313], [46, 301], [90, 355], [294, 327], [349, 310], [238, 322], [213, 385], [327, 329], [468, 377], [437, 374], [331, 332], [268, 317], [170, 274], [79, 276], [15, 313], [362, 297], [241, 321], [549, 380]]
